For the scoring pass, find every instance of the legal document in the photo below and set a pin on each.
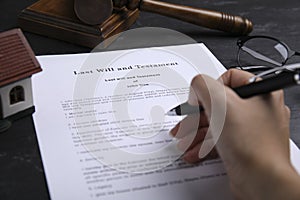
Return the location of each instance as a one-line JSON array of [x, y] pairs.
[[102, 129]]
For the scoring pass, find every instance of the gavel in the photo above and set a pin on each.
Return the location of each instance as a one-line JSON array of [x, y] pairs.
[[95, 12]]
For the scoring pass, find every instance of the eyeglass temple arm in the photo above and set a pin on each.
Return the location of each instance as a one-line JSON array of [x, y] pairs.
[[297, 53], [289, 68]]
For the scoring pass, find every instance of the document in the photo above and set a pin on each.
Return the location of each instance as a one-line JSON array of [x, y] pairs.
[[102, 129]]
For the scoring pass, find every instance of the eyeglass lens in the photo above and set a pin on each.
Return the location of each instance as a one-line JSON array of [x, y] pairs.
[[262, 51]]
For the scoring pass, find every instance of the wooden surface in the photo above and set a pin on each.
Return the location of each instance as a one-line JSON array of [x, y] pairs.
[[21, 171]]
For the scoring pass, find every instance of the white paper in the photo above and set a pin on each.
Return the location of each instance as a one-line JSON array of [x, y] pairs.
[[295, 156], [102, 131]]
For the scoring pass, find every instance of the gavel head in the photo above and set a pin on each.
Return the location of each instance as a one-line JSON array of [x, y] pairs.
[[130, 4], [95, 12]]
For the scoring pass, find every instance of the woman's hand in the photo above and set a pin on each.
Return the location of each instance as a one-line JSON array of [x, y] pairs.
[[254, 141]]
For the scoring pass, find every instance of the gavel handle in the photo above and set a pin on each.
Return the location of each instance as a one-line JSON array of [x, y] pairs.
[[202, 17]]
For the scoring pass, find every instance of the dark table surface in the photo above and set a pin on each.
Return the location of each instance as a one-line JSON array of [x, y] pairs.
[[21, 171]]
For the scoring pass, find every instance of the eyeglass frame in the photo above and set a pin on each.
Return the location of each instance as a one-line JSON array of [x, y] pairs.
[[241, 42], [277, 68]]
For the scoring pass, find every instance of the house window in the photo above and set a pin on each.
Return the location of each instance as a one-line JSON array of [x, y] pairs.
[[16, 95]]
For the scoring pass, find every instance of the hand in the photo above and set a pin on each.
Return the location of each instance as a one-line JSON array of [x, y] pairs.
[[254, 141]]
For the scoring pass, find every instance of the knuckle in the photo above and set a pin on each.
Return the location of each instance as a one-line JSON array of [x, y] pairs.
[[288, 111], [197, 79]]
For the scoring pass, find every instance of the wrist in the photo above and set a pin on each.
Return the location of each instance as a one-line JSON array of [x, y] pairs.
[[277, 182], [288, 185]]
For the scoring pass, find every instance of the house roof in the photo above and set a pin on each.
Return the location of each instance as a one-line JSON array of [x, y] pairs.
[[17, 60]]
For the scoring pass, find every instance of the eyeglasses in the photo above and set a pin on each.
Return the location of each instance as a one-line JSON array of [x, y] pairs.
[[264, 53]]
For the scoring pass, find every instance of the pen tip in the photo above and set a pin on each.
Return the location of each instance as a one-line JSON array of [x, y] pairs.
[[171, 113]]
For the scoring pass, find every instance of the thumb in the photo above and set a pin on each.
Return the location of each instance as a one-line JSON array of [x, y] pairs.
[[209, 93]]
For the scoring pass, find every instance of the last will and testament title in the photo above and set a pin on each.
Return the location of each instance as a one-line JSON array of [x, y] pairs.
[[125, 68]]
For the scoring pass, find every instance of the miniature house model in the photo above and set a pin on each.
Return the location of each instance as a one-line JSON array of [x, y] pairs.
[[17, 65]]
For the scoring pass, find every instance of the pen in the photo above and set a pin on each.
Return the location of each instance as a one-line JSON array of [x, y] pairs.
[[280, 81]]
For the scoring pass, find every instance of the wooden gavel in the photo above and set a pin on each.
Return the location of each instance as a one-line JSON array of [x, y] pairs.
[[96, 11]]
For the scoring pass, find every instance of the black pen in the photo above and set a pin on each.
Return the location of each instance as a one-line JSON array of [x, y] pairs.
[[277, 82]]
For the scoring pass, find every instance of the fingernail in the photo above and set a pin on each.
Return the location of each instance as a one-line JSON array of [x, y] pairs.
[[170, 133], [173, 131], [187, 158], [181, 146]]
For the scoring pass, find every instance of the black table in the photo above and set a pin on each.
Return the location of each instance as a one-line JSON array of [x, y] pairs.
[[21, 170]]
